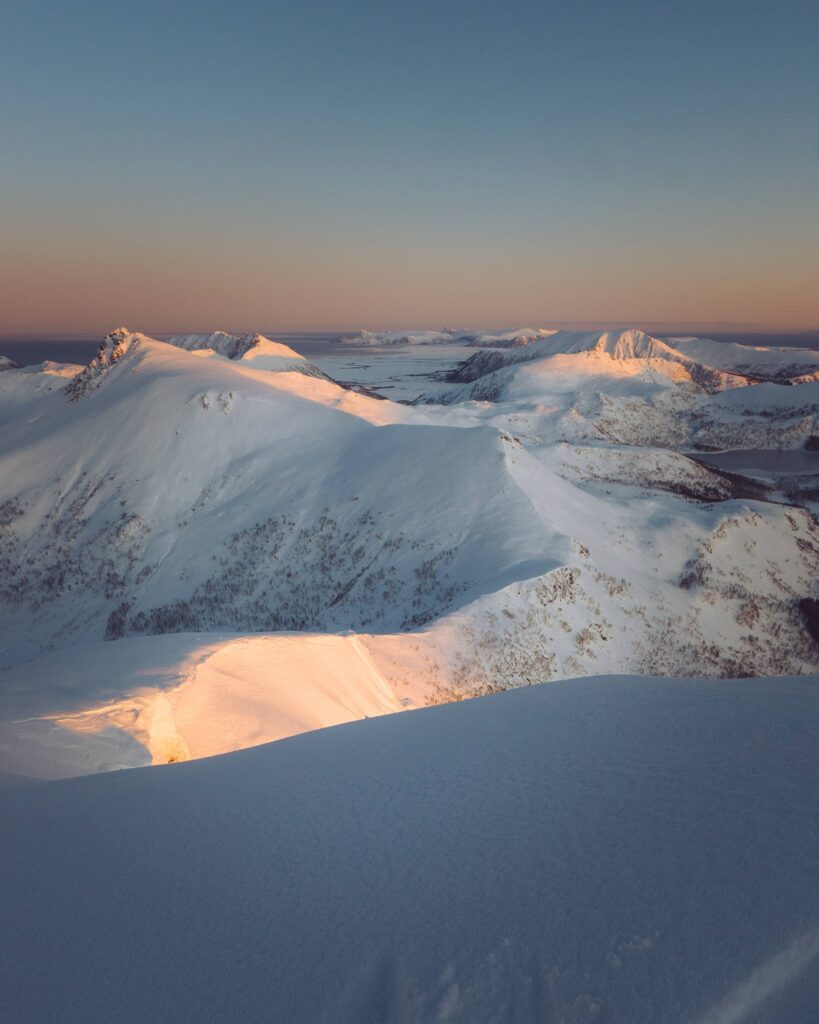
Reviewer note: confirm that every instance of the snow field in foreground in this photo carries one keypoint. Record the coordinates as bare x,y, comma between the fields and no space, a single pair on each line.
625,850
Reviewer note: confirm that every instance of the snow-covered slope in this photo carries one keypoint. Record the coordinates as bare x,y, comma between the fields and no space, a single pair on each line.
8,364
762,363
629,345
164,492
145,700
757,362
627,388
21,386
619,850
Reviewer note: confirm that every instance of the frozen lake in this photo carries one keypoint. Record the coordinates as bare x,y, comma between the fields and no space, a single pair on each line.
399,372
762,461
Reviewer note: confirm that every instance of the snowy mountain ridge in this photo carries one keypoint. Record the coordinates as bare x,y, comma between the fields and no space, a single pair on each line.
618,345
548,526
758,363
252,349
781,364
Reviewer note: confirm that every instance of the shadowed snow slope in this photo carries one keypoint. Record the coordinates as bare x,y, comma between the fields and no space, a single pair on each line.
619,850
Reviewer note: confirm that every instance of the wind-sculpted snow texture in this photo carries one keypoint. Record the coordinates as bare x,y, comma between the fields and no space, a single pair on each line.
633,851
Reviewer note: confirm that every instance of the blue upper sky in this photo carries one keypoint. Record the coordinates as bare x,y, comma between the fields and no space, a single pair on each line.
187,165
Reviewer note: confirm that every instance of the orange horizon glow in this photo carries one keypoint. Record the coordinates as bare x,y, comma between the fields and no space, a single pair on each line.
67,286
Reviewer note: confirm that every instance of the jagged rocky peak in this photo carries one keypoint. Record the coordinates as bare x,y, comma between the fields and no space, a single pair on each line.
112,348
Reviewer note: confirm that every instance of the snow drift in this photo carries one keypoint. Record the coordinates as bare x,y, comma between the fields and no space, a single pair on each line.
621,850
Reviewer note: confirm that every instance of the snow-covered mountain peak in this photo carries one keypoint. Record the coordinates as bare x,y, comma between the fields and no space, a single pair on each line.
252,348
8,364
608,355
761,363
631,343
231,346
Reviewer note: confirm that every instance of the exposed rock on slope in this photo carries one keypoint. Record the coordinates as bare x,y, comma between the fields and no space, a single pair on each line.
114,346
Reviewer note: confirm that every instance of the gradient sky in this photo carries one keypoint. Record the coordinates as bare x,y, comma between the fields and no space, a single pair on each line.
191,165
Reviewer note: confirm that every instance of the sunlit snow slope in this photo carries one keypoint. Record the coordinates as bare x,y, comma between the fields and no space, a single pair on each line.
159,699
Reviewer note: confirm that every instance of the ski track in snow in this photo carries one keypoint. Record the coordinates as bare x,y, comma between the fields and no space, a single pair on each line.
765,981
